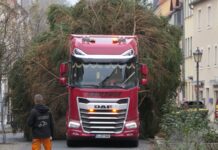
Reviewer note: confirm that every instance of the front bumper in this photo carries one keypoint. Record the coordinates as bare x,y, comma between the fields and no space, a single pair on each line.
77,134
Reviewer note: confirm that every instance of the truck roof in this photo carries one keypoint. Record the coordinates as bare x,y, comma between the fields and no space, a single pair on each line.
103,44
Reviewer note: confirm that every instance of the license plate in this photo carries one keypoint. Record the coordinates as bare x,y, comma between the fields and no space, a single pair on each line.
102,136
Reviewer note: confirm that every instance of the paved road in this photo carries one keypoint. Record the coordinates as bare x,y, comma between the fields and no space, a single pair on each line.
17,142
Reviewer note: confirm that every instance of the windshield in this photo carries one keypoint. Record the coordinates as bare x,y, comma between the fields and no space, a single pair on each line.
104,75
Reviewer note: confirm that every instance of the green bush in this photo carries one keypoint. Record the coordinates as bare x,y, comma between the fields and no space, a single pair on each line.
184,123
211,137
187,126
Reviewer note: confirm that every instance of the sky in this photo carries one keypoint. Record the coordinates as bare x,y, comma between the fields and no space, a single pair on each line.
72,2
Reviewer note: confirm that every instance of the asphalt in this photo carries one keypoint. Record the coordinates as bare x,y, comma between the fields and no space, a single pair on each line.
18,142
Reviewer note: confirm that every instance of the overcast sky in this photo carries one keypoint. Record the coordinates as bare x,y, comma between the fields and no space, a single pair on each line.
72,2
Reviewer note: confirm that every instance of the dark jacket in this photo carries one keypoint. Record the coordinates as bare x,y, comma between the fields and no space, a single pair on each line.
41,121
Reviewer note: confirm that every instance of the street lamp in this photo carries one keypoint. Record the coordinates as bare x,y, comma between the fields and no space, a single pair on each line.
197,57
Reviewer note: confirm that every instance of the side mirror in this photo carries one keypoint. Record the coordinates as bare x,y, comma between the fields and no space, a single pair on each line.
144,70
144,81
63,81
63,69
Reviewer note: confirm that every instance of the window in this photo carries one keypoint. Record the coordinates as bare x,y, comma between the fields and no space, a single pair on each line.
201,95
216,95
186,8
188,12
215,55
204,58
186,48
209,16
179,18
199,19
207,93
191,10
108,75
175,18
190,46
208,57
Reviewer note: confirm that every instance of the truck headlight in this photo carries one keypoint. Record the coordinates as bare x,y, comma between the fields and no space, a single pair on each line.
131,125
73,124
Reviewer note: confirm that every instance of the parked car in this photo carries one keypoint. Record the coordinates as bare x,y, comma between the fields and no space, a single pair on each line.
193,105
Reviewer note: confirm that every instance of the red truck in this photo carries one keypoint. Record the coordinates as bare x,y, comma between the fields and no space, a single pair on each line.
103,77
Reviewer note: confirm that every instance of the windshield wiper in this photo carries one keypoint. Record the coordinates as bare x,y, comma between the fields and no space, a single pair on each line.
128,78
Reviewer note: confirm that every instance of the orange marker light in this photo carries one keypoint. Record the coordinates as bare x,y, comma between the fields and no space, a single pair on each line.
91,110
114,110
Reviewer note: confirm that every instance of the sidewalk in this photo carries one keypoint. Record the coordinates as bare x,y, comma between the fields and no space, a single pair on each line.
14,142
15,146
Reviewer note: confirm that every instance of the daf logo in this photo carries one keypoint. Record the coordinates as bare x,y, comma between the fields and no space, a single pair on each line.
103,106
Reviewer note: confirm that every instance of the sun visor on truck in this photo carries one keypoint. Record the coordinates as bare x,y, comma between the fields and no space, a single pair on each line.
104,60
124,57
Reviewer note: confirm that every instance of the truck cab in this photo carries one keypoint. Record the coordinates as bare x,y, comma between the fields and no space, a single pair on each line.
103,77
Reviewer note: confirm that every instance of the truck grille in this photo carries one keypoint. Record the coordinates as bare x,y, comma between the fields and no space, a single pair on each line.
102,118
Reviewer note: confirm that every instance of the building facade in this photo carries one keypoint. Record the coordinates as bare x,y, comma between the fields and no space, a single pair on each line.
167,8
173,10
201,30
189,63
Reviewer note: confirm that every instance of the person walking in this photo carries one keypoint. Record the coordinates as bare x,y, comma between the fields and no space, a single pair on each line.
41,122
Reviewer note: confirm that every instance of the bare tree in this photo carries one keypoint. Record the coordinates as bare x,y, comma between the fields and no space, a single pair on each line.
19,22
12,25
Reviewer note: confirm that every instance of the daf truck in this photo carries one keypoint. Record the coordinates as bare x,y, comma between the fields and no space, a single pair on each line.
103,76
